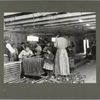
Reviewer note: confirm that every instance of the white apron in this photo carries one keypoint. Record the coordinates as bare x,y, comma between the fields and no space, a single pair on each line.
61,59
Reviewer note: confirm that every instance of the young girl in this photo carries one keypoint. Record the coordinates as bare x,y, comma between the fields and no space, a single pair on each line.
26,53
48,63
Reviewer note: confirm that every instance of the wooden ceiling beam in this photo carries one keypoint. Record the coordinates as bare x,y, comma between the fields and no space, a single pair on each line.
52,18
49,22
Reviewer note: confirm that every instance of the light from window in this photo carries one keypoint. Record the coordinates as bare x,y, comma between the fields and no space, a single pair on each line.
53,39
86,45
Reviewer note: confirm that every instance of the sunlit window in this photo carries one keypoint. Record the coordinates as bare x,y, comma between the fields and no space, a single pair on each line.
53,39
86,45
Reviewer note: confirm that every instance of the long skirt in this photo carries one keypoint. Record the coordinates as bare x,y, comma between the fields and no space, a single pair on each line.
62,62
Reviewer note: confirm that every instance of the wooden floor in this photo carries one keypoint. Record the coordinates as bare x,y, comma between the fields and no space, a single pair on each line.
89,69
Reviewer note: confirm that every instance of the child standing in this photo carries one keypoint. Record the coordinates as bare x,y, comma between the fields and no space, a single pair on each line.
48,63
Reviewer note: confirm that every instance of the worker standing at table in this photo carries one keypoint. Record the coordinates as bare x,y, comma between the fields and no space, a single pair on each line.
15,56
48,63
26,53
48,46
8,49
38,49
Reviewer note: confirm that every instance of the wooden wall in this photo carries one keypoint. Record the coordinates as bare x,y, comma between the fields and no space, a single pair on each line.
17,37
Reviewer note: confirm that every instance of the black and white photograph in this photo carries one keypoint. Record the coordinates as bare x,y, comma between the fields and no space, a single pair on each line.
50,47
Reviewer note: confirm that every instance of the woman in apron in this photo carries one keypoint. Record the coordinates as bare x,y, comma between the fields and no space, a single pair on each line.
61,59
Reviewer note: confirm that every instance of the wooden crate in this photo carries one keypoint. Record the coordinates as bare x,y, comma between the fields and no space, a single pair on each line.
12,71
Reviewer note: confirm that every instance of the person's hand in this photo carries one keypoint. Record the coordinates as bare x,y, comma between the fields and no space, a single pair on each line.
47,57
57,36
24,57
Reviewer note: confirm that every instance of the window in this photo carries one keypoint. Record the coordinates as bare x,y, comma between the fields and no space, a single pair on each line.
53,39
86,45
